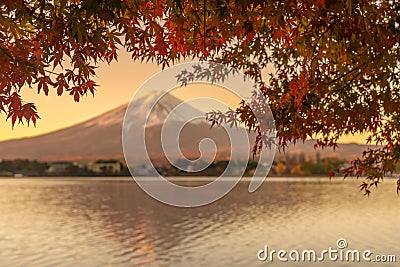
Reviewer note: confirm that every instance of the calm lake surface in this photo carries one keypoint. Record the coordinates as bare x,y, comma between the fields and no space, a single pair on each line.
111,222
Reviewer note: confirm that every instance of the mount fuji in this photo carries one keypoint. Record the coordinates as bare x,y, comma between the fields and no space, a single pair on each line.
101,137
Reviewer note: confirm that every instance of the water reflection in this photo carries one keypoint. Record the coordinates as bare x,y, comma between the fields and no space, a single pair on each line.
96,222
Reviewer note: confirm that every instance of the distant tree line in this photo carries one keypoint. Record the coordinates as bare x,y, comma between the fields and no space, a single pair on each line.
34,168
291,165
298,165
23,166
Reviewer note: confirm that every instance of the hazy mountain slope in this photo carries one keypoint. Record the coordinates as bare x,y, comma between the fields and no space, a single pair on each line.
100,137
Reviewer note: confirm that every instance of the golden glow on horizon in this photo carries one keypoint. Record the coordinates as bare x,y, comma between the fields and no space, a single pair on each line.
117,84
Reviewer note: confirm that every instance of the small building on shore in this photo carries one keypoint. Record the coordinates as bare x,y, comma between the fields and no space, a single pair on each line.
59,167
105,166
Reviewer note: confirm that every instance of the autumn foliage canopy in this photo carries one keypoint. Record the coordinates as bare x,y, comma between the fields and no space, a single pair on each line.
334,64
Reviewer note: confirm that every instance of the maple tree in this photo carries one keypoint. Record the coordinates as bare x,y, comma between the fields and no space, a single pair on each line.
335,63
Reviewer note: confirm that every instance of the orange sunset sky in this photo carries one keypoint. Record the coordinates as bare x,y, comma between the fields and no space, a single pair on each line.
117,84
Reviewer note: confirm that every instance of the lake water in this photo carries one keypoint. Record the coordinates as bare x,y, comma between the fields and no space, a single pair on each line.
111,222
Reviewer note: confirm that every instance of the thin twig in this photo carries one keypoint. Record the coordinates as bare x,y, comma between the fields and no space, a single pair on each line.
204,24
